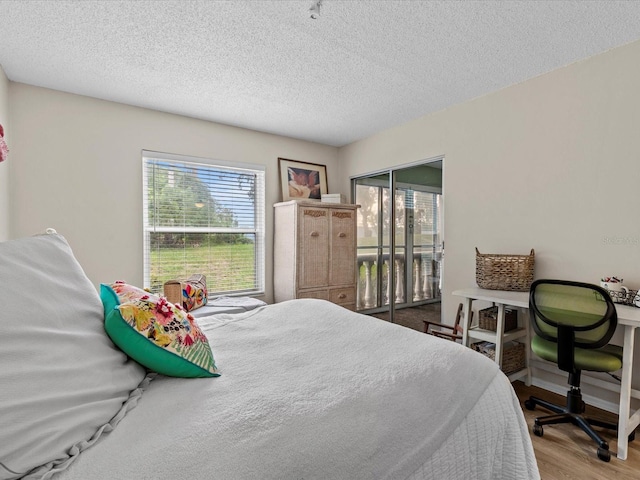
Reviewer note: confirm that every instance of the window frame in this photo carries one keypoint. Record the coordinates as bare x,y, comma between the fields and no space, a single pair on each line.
258,229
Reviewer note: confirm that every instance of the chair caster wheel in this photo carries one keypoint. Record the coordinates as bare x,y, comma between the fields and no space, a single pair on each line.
537,430
529,405
604,455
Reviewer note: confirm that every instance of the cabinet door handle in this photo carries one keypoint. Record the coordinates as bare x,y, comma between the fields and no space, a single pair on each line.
342,296
342,234
314,234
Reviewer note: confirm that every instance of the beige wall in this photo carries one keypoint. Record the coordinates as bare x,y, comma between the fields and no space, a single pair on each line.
552,164
4,166
77,168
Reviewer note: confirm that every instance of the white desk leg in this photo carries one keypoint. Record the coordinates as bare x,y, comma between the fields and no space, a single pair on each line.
500,334
527,348
466,323
625,392
527,326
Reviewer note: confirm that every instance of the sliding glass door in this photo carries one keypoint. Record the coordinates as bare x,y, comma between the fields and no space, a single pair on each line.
374,229
412,222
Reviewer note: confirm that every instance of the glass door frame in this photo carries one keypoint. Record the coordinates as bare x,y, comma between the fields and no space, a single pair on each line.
392,185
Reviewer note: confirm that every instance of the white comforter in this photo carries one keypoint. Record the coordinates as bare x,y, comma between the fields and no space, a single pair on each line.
312,391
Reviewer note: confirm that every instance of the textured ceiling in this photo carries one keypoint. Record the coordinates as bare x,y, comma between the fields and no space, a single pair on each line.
360,68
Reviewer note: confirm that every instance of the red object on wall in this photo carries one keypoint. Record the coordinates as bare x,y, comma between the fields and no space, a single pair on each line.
4,150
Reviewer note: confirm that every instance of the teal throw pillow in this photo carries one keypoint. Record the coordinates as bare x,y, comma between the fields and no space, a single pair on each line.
156,333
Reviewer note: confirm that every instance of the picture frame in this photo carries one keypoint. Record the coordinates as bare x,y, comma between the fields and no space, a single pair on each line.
302,180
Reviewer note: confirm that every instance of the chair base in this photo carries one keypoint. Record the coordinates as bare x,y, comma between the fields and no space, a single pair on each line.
572,413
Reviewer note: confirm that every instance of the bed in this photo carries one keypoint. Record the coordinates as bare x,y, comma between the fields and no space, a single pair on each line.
306,390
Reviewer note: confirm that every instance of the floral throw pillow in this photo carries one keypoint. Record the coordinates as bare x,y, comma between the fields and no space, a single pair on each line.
156,333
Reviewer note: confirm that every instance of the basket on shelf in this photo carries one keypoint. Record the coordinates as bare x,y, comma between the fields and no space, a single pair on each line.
488,319
504,271
512,355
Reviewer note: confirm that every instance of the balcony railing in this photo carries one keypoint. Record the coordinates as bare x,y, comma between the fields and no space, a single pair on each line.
374,273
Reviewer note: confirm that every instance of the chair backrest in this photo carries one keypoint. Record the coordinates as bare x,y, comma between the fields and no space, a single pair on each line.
573,313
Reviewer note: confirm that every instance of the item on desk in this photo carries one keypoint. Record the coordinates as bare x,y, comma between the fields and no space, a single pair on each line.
618,292
499,271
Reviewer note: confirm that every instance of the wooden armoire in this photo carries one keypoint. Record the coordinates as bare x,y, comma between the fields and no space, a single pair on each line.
315,252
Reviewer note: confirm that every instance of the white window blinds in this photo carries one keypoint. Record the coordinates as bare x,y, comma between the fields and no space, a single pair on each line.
203,216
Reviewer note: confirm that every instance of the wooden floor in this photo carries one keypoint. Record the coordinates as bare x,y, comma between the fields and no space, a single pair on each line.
566,452
413,317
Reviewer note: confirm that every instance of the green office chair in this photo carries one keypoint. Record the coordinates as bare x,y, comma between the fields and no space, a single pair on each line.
573,323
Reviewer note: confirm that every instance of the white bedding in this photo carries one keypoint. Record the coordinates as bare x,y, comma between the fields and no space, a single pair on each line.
310,390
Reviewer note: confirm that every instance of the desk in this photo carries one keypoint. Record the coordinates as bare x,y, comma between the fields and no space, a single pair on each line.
628,318
499,337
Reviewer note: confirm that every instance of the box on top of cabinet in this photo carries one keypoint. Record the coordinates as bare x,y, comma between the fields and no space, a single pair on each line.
333,198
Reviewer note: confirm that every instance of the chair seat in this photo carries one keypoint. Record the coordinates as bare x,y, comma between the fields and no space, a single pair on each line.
605,359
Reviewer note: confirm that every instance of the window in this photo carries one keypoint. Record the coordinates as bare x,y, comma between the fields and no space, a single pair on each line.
203,216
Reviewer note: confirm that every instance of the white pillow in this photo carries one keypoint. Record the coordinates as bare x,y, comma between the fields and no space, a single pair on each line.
62,381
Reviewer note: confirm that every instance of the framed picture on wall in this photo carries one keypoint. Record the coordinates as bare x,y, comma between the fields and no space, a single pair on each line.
302,180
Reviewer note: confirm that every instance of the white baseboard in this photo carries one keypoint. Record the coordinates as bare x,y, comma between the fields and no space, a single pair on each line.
561,387
588,399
